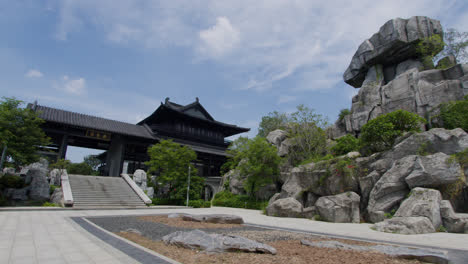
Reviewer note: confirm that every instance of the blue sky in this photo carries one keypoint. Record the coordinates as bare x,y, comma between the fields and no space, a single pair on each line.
243,59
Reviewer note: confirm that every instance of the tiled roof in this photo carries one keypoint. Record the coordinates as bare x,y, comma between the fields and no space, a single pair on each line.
91,122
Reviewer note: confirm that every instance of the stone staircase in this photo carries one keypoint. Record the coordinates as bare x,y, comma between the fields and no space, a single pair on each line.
103,192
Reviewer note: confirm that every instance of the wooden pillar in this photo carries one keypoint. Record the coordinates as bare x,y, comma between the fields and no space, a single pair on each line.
115,156
63,147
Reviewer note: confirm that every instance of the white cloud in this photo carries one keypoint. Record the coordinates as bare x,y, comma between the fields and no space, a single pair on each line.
71,86
260,42
219,39
34,74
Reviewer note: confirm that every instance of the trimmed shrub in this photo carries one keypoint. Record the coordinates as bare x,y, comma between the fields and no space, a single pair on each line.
165,201
345,145
380,133
199,203
11,181
455,114
227,199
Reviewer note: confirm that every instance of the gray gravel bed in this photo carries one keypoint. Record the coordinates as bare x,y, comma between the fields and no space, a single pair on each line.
155,231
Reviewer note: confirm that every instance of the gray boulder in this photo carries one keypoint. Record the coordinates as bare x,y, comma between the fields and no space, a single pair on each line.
286,207
422,202
55,176
285,146
139,177
341,208
39,184
200,240
395,42
276,137
406,225
309,212
453,222
390,189
17,194
236,182
57,197
9,170
433,171
214,218
150,192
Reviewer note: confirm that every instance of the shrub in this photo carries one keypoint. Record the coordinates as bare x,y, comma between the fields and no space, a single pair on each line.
47,204
380,133
199,203
166,201
11,181
343,113
80,168
52,188
345,144
455,114
227,199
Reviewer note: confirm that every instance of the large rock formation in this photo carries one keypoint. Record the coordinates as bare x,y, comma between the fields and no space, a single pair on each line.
39,185
390,75
341,208
287,207
422,202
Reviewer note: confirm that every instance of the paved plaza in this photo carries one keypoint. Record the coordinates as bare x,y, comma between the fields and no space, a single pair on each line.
56,236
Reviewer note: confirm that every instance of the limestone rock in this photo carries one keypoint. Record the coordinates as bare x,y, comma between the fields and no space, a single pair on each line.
406,225
17,194
422,202
39,184
433,171
309,212
150,192
286,207
236,182
140,178
214,218
55,176
341,208
200,240
57,197
391,188
283,149
8,170
453,222
393,43
275,197
276,137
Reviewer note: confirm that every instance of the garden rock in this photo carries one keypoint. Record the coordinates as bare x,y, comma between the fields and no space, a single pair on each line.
453,222
10,171
57,197
286,207
341,208
39,184
236,182
200,240
214,218
433,171
283,149
17,194
276,137
309,212
139,177
150,192
422,202
55,176
406,225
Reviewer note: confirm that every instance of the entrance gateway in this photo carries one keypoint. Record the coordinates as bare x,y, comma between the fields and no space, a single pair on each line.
126,144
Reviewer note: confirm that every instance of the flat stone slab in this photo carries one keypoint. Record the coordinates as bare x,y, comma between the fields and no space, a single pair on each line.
216,243
424,255
214,218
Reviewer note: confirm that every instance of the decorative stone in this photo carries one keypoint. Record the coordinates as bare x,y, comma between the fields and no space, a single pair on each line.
200,240
214,218
39,184
57,197
139,177
150,192
433,171
8,170
17,194
309,212
55,176
287,207
406,225
422,202
341,208
276,137
453,222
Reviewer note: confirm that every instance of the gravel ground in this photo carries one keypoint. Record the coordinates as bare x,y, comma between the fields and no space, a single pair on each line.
154,230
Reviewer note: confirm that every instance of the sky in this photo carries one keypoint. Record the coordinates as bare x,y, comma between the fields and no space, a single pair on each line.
243,59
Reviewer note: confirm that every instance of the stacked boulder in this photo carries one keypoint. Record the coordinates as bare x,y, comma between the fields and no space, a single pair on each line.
140,178
389,71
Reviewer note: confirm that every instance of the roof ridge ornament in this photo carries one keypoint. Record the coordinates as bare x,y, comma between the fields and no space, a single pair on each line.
197,100
166,101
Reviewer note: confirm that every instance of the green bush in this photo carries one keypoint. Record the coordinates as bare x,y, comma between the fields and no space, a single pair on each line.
455,114
227,199
343,113
47,204
199,203
11,181
345,144
165,201
380,133
80,168
52,188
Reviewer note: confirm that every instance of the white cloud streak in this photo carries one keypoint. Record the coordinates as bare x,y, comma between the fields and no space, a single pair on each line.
34,74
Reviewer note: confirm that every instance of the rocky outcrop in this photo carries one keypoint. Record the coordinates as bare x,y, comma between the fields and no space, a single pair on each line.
214,218
55,176
17,194
454,223
406,225
422,202
287,207
394,43
390,75
141,179
341,208
39,185
217,243
276,137
434,171
57,197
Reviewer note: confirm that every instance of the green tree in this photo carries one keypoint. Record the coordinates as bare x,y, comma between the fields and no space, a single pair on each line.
456,44
455,114
92,161
61,165
170,162
380,133
428,48
345,144
272,121
307,133
260,164
20,132
81,168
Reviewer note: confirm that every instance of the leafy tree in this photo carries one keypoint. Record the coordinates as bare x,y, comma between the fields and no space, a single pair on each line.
345,144
20,132
92,161
455,114
428,48
260,164
170,162
456,44
307,133
380,133
81,168
61,164
272,121
235,150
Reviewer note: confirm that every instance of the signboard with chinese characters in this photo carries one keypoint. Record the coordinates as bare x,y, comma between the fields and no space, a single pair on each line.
98,134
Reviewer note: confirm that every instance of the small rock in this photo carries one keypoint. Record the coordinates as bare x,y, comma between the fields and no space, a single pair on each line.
287,207
453,222
214,218
406,225
57,197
